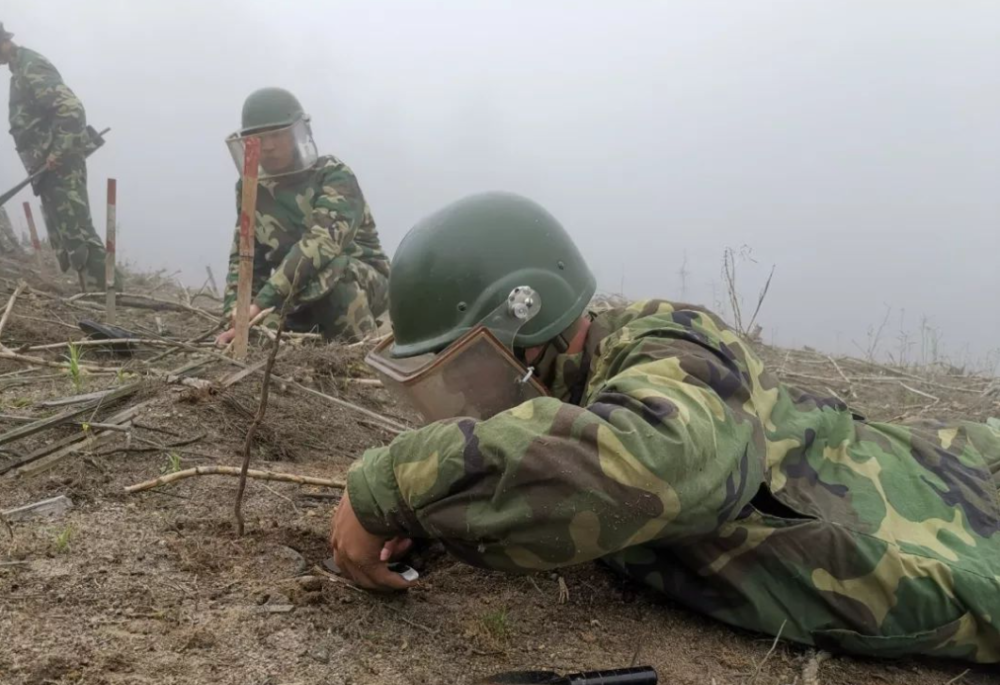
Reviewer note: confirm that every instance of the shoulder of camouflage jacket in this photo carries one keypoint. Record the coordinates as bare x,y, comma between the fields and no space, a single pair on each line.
27,59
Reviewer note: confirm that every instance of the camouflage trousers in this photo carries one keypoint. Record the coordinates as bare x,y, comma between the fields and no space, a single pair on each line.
348,312
66,209
826,580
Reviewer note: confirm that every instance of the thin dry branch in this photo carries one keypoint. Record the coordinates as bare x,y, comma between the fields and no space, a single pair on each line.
917,379
850,386
959,677
235,472
106,341
760,299
186,345
920,392
47,457
368,341
257,420
6,353
388,424
10,307
774,646
141,301
69,414
262,406
31,419
54,322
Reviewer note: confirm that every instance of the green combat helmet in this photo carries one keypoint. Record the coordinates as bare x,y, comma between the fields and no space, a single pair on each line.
270,108
458,265
276,118
472,287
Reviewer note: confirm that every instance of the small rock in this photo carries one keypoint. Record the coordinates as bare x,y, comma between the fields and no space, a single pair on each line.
311,583
297,563
320,655
276,598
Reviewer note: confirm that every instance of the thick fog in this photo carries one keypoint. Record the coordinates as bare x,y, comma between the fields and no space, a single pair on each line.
853,144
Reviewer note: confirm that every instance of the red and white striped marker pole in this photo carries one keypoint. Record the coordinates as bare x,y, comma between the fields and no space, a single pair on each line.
35,243
109,241
248,222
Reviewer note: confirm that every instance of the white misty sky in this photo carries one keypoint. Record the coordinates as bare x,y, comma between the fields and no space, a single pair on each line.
854,144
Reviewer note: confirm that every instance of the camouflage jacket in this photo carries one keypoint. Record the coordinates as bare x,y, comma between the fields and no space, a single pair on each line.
305,221
669,452
45,116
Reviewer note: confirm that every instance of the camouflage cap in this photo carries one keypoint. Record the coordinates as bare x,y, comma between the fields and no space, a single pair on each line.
4,34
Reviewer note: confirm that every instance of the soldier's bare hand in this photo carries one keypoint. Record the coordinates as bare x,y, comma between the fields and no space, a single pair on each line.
395,549
225,337
52,163
358,553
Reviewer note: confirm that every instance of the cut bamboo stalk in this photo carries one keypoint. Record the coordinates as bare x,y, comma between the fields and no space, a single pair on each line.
248,222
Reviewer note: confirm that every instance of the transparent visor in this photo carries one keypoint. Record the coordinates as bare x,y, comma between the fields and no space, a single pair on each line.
477,375
283,151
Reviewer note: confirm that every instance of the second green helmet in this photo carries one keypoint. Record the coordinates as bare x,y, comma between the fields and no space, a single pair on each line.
458,265
270,108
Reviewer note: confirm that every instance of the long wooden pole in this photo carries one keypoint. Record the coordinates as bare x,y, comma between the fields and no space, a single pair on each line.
248,222
110,238
35,243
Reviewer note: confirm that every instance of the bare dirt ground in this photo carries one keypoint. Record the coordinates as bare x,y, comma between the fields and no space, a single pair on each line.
155,587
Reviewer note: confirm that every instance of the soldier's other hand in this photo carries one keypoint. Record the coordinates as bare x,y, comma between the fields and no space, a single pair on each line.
358,553
225,337
52,163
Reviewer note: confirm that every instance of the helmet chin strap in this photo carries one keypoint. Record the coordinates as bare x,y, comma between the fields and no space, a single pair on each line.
544,365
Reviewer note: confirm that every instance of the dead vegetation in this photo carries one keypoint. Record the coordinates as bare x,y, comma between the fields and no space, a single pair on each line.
153,585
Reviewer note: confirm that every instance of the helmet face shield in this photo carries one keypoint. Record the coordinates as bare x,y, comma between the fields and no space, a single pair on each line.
477,375
285,150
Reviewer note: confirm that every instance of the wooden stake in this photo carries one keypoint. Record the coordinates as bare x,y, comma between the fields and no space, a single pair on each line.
109,262
35,243
248,222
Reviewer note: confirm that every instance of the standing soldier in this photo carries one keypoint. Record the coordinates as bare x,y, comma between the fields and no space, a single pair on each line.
9,245
50,130
312,225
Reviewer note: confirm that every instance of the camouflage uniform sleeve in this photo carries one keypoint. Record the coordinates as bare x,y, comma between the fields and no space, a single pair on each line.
669,447
337,213
69,120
